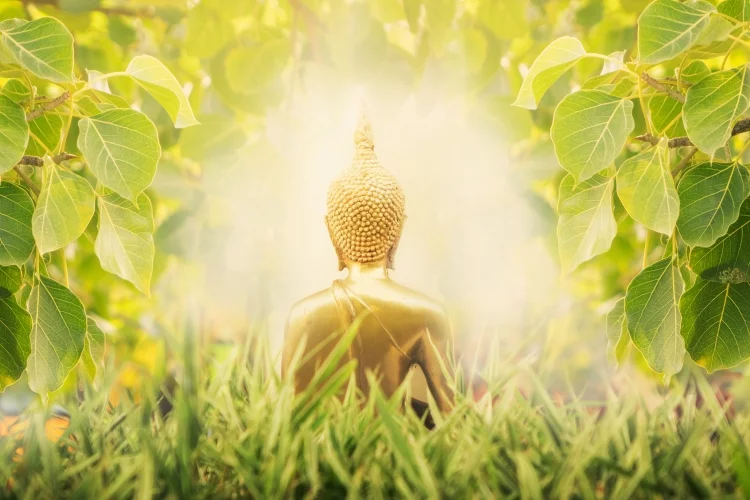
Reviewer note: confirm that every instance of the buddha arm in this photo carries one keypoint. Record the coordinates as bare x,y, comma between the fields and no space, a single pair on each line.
434,355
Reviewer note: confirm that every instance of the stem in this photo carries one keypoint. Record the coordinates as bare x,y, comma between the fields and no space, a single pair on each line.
685,160
26,180
36,113
643,108
653,82
64,266
616,61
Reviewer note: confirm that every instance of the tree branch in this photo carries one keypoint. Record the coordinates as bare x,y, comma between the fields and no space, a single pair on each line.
653,82
36,113
26,180
740,127
38,161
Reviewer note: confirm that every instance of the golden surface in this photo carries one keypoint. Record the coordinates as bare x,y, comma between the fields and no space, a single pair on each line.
401,327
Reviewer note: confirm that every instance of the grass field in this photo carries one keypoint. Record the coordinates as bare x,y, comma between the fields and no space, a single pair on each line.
235,430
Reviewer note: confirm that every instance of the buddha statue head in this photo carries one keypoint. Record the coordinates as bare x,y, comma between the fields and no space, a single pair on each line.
365,207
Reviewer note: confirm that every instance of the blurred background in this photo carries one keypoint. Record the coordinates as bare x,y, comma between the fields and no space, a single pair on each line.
277,86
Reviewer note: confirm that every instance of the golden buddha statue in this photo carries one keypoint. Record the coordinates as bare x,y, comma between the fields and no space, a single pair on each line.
401,327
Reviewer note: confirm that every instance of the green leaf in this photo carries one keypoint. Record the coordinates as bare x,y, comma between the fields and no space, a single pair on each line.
14,133
57,335
15,329
16,238
506,19
78,6
93,348
618,337
158,81
45,133
122,148
694,72
411,10
711,195
64,209
267,60
44,47
16,90
217,136
664,116
653,315
589,130
727,260
586,226
713,104
646,189
619,83
738,9
557,58
666,28
125,243
716,323
10,280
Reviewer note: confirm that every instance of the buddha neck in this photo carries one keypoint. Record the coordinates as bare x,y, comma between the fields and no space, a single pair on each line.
359,271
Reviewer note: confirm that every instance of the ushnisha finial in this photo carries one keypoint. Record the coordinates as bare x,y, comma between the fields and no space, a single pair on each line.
363,137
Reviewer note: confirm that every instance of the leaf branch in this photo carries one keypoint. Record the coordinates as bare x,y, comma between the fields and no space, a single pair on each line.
38,161
671,92
26,180
37,112
740,127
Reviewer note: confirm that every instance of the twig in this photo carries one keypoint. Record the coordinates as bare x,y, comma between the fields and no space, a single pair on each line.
653,82
685,160
38,161
36,113
740,127
26,179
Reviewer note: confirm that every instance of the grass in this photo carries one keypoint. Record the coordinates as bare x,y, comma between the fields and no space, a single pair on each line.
236,430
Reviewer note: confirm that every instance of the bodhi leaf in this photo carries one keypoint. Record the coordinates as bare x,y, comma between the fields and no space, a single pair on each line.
666,28
727,260
694,72
618,337
16,238
555,59
713,104
617,83
44,47
10,280
646,189
665,116
716,323
125,243
738,9
16,90
45,133
64,209
589,130
122,148
158,81
653,315
14,133
711,195
93,348
15,329
586,226
57,335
